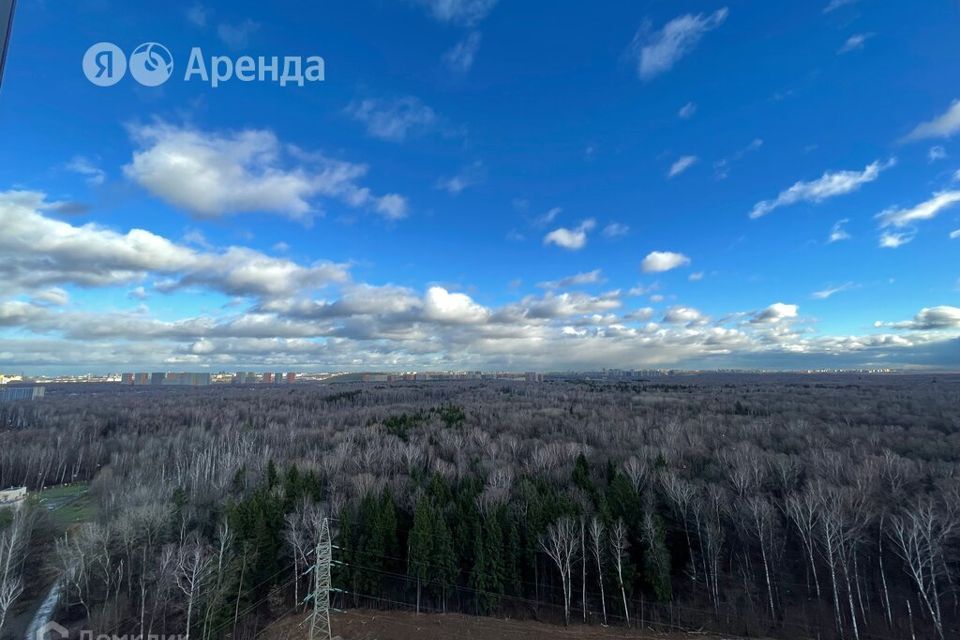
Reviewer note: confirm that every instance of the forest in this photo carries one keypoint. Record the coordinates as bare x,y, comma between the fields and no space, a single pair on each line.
781,506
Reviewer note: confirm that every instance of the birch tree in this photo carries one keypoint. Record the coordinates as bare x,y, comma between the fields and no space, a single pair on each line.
596,546
618,546
920,535
560,543
194,564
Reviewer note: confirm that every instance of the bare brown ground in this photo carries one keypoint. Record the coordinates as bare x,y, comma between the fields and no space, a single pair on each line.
403,625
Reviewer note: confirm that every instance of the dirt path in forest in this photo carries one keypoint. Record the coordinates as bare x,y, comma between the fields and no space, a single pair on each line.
402,625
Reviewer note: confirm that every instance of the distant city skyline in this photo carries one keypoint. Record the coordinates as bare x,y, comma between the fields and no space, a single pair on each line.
492,186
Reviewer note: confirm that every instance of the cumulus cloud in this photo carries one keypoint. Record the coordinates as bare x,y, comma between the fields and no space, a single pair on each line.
656,52
659,261
940,317
571,239
295,315
461,56
393,120
442,306
955,234
554,305
680,315
37,251
943,126
216,174
681,164
776,312
54,295
829,185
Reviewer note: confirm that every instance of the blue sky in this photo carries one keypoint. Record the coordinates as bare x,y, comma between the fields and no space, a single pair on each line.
483,184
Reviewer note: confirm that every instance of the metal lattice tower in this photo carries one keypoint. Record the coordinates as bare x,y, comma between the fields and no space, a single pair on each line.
321,584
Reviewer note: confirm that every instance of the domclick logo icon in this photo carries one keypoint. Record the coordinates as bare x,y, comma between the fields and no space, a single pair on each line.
151,64
104,64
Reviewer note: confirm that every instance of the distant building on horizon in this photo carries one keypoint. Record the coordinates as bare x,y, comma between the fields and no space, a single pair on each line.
10,394
159,378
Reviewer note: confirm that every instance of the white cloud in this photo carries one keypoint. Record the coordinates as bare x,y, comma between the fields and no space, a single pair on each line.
656,52
854,42
695,277
237,36
392,206
572,239
461,56
839,232
216,174
924,211
642,290
892,240
955,234
54,295
659,261
615,230
442,306
680,315
37,252
823,294
681,164
936,152
829,185
777,312
464,12
930,318
943,126
393,120
548,217
587,277
686,111
86,167
469,176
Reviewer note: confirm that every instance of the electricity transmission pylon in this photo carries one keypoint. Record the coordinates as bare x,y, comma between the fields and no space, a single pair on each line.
321,584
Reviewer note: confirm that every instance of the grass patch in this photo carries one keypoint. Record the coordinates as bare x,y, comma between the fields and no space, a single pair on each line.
64,491
69,504
83,509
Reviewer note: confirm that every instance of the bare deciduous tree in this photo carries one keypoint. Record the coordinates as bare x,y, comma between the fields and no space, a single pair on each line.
920,534
596,546
194,564
560,543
